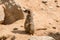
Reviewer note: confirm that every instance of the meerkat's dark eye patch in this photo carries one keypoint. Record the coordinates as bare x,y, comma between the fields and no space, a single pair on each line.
27,11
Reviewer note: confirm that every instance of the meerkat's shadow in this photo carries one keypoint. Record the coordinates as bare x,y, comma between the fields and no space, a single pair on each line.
19,31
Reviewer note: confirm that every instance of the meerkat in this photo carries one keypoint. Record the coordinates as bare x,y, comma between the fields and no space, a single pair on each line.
29,25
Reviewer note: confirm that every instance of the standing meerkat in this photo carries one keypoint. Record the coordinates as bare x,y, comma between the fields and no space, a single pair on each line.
29,25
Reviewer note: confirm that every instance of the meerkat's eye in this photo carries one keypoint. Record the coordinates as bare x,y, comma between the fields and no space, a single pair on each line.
27,11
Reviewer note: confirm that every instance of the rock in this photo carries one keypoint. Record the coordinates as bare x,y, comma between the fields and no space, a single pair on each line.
12,11
41,38
2,15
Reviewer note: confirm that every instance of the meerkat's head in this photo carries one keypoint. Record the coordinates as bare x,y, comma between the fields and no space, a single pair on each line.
27,11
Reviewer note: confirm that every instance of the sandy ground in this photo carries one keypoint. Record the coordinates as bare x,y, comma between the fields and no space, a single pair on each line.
46,19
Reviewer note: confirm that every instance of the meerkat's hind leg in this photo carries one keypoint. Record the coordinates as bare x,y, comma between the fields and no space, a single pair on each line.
31,30
27,29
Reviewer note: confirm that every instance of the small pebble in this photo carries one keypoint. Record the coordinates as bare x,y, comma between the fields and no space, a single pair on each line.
49,23
44,1
57,21
15,29
50,7
57,6
54,27
55,0
21,26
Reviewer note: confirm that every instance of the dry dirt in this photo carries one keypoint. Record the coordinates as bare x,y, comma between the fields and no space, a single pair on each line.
46,19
